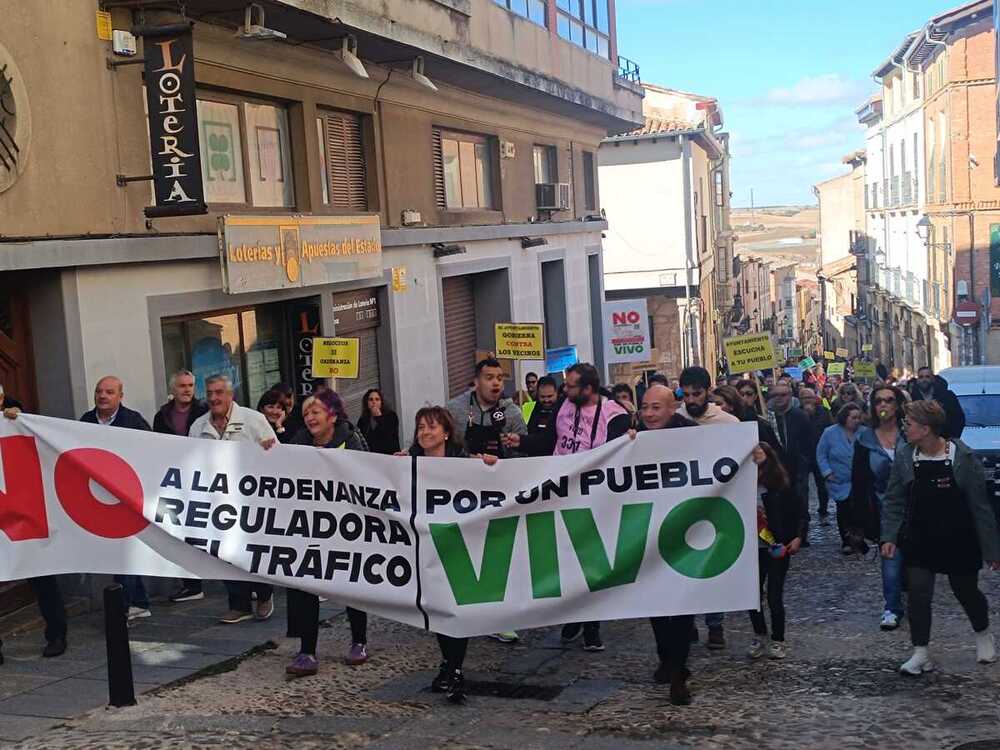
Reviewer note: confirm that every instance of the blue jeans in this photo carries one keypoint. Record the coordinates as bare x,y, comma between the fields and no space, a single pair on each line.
134,590
892,583
714,619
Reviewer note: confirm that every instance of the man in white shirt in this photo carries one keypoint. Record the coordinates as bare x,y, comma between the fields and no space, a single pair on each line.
227,420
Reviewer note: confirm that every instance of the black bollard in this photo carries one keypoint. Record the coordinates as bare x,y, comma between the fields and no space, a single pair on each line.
121,690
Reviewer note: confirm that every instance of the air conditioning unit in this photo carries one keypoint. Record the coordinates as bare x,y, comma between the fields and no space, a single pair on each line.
552,196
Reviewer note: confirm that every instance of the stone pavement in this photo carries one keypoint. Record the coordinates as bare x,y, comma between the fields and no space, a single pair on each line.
839,688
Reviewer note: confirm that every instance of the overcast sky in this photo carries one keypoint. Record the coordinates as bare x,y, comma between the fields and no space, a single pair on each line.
788,75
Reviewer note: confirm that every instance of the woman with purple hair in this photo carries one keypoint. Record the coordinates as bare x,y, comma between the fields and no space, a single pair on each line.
326,426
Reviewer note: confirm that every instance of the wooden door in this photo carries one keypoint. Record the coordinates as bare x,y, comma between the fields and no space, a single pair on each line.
17,375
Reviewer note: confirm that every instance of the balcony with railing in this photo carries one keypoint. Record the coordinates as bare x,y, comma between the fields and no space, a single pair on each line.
894,194
627,70
907,196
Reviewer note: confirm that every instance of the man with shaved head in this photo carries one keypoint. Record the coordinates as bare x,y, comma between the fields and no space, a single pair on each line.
108,410
673,634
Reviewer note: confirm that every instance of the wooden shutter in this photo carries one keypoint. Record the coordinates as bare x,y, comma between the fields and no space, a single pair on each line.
459,332
438,156
346,162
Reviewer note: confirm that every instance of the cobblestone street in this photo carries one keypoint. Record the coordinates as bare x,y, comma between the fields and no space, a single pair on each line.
838,688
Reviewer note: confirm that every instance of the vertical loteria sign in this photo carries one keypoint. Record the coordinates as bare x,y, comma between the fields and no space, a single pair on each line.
626,331
173,121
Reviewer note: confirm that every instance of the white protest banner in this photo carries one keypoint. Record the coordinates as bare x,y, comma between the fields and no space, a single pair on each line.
662,525
626,331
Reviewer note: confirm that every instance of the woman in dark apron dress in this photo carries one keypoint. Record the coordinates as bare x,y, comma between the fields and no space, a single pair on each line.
937,512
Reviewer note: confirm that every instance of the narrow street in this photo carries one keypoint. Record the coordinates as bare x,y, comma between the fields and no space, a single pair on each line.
838,688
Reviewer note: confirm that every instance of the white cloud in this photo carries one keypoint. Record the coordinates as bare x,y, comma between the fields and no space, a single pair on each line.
827,89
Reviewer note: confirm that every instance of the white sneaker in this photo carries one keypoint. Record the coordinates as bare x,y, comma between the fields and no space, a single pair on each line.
919,663
134,613
986,651
889,621
777,650
757,646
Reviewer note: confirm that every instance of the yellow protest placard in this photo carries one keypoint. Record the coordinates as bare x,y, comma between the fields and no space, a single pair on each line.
841,351
866,347
335,358
751,352
835,368
864,370
828,355
520,341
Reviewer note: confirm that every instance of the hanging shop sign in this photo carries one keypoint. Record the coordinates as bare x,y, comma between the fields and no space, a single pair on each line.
259,253
168,52
304,322
520,340
626,331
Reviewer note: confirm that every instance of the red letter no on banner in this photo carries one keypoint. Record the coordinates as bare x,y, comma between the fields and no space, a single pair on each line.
74,471
22,504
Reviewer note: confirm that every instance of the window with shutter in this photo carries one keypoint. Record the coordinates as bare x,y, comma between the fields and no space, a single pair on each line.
345,156
438,155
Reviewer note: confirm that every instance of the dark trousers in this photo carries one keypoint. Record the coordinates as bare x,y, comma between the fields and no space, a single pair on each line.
50,604
801,486
843,519
453,651
824,496
134,591
194,584
673,639
921,591
239,594
359,625
302,609
773,572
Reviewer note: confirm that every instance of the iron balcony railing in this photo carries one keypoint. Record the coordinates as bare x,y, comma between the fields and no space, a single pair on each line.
627,70
907,189
894,199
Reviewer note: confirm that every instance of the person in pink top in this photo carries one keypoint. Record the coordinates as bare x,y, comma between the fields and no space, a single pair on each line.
584,419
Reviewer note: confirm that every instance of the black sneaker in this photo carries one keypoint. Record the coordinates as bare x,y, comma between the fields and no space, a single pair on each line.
455,689
439,683
571,632
185,594
56,647
680,695
592,640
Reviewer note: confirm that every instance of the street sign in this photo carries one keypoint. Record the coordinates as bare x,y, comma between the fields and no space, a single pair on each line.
751,352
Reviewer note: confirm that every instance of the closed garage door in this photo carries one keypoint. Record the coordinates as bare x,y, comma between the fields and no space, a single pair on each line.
357,316
459,332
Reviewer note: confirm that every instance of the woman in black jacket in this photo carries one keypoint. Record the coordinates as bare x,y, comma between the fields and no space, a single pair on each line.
434,437
326,426
271,406
781,528
379,424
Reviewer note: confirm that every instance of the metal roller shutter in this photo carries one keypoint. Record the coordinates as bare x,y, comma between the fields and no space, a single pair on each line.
459,332
351,391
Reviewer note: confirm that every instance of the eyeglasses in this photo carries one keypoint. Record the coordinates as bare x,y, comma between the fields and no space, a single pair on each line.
890,400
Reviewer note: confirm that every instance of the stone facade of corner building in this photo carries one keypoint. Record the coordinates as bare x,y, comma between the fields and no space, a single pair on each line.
963,197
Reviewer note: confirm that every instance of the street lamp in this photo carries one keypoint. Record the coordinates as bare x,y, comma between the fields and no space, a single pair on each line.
924,228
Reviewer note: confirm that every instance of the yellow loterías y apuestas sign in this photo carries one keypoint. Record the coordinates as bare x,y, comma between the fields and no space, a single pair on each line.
520,340
335,358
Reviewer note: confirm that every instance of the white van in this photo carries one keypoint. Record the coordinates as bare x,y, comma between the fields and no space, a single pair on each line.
978,391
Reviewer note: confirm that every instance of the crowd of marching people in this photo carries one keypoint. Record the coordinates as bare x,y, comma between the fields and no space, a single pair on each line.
886,460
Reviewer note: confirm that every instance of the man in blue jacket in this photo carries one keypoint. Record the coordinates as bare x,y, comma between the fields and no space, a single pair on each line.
108,410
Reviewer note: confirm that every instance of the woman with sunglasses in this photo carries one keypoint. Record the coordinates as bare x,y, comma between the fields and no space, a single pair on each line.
835,456
874,452
938,513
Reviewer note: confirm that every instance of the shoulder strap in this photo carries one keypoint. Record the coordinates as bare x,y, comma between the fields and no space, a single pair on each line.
597,416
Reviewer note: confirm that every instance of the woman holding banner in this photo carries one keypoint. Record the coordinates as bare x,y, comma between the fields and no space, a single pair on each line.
434,437
326,427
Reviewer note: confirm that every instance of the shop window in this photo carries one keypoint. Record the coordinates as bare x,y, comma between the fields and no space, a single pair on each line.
245,345
585,23
245,153
463,170
533,10
342,156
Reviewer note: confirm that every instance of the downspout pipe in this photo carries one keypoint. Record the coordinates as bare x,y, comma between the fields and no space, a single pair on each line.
685,144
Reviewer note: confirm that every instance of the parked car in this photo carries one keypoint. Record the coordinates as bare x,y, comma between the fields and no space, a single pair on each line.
978,391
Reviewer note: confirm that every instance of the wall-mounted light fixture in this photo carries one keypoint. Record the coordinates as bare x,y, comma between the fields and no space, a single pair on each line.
442,249
257,32
527,242
348,54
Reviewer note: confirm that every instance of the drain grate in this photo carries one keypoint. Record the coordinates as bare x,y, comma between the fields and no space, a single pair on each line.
514,691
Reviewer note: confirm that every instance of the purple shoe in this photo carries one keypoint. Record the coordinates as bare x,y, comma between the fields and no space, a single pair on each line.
356,654
303,665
